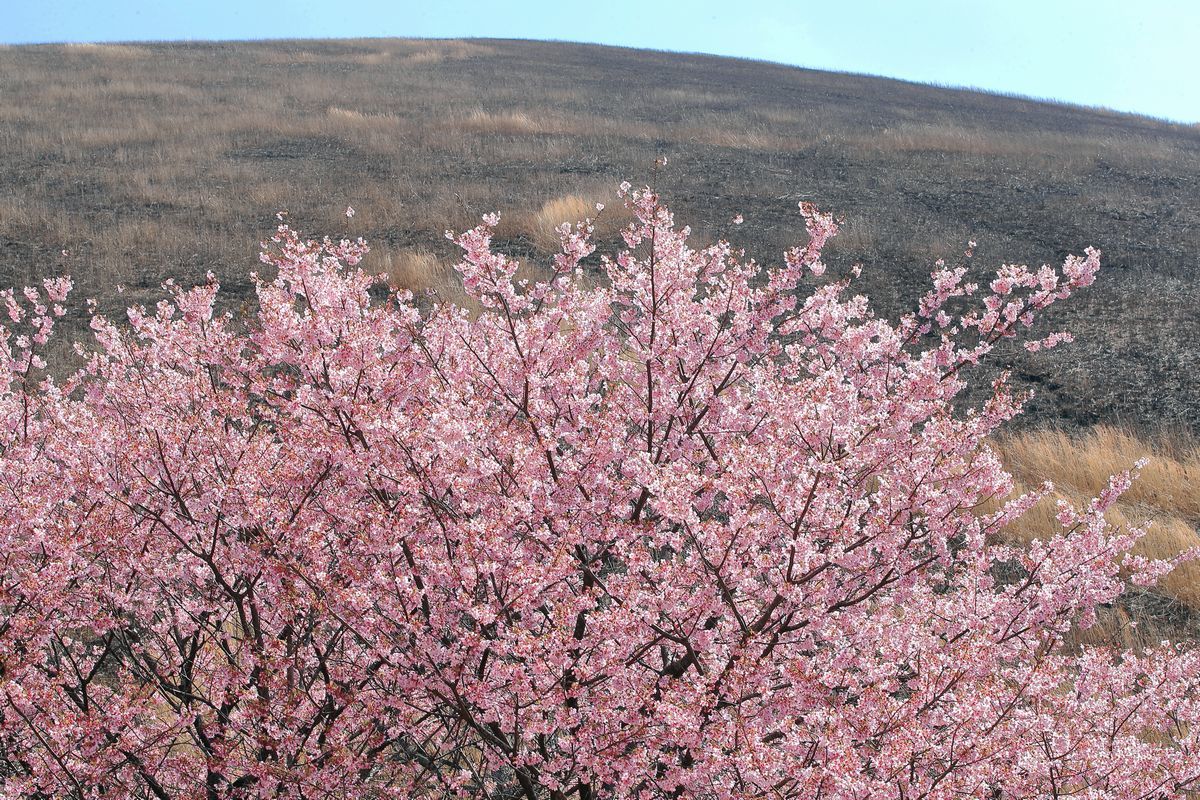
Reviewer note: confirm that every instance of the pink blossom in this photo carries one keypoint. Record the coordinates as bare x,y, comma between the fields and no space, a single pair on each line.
688,531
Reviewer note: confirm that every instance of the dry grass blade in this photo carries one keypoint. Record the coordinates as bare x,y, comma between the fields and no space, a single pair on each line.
1165,499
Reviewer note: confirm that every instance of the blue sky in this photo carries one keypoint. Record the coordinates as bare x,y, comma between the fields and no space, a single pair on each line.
1142,57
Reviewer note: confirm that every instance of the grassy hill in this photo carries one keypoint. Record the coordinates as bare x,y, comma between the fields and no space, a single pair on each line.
167,160
149,161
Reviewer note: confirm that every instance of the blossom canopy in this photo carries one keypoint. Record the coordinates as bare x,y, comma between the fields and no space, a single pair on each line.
699,529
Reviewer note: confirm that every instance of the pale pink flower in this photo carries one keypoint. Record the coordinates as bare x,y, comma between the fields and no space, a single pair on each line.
689,530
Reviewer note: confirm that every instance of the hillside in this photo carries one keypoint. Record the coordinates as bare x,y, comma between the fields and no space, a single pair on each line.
168,160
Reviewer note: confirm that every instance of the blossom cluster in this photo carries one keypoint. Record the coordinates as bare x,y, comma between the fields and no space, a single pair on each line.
697,529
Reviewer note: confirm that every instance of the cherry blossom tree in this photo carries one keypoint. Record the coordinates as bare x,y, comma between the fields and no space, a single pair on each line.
706,530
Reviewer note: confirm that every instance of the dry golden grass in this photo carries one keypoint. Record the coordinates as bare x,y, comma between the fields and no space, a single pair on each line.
1165,499
415,270
553,213
1170,482
422,273
351,117
539,225
506,123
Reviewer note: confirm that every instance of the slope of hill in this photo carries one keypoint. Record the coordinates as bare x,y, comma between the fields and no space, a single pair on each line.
167,160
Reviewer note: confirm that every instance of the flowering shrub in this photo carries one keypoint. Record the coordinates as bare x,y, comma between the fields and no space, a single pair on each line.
695,533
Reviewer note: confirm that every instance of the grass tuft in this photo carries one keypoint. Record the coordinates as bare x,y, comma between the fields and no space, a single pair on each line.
1165,499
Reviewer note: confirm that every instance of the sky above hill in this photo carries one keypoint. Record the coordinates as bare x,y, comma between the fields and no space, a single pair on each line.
1142,57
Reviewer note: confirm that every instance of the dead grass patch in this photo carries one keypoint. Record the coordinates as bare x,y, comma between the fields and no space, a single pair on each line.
508,123
103,49
415,270
446,51
429,51
420,272
1165,498
569,209
352,117
1082,464
539,225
